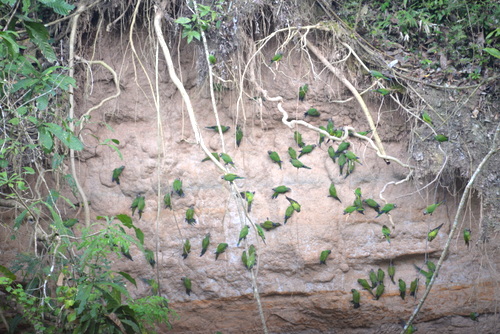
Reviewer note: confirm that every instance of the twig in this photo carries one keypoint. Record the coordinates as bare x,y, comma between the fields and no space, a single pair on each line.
461,207
115,79
71,112
211,82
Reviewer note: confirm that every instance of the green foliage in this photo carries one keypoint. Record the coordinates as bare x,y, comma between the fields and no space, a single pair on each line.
92,290
199,21
452,27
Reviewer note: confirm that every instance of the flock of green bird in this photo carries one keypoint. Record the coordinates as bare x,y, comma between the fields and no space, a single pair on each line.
341,156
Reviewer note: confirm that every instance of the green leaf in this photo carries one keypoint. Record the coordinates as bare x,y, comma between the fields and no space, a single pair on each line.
9,2
65,137
24,84
492,51
183,20
39,35
71,317
26,5
82,296
126,220
14,121
12,46
116,141
128,277
58,6
7,273
42,102
29,170
45,138
140,235
4,163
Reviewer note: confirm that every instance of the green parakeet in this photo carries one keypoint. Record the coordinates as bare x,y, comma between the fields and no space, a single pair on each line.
297,164
323,256
386,209
380,291
177,186
190,216
221,248
373,278
243,234
391,271
382,91
135,204
116,174
427,118
306,150
269,225
275,157
276,57
303,91
186,249
402,289
70,222
227,159
372,204
378,75
216,128
167,201
414,288
211,59
473,316
288,213
293,203
341,161
342,148
321,136
260,232
380,276
187,284
357,193
231,177
279,190
351,156
430,209
364,283
248,196
292,153
141,206
433,233
297,137
150,257
252,254
313,112
333,192
239,135
215,155
441,138
431,265
331,153
355,298
387,233
350,209
204,244
244,258
428,275
467,237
